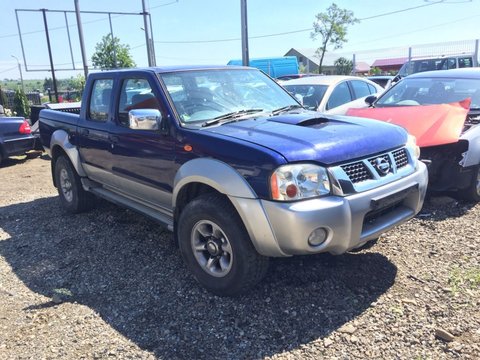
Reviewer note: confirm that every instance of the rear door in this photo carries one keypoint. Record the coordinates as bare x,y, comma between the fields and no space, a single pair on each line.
142,160
93,132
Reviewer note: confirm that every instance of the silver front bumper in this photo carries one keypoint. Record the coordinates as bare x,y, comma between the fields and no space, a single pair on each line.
350,221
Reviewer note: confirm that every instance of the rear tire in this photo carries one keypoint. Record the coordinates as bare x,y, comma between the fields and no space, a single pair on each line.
472,193
72,195
216,247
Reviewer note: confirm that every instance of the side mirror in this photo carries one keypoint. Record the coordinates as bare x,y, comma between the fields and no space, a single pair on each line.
144,119
370,99
299,98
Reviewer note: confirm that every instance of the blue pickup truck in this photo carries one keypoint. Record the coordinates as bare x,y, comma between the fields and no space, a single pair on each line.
234,166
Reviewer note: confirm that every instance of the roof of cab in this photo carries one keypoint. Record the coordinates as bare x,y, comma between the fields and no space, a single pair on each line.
462,73
168,69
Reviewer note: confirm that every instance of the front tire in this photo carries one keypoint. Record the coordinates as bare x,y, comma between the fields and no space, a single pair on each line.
472,193
72,195
216,247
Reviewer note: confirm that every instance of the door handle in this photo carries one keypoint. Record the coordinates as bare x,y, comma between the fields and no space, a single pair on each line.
84,132
113,139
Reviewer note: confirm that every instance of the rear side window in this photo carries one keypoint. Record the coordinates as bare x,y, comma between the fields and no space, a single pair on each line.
373,89
360,88
100,99
340,95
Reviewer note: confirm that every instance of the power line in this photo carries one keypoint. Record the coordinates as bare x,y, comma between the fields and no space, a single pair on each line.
3,71
418,30
402,10
294,31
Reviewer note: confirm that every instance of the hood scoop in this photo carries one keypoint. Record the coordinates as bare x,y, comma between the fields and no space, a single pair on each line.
300,120
313,122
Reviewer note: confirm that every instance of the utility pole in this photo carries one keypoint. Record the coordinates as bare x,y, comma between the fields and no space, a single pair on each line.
20,69
151,59
245,55
80,36
52,68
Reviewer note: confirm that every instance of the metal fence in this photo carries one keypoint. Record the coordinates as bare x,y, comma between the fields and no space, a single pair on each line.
402,54
33,98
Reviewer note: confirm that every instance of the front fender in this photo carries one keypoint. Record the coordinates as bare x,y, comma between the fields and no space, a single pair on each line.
220,176
472,156
226,180
60,138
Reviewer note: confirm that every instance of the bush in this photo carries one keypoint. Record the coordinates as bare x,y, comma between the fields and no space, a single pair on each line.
3,99
20,104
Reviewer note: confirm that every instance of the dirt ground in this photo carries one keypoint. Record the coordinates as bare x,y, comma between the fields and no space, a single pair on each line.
111,284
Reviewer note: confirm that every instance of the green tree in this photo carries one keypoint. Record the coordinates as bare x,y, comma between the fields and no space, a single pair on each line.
331,28
20,104
110,54
302,69
48,84
343,66
77,83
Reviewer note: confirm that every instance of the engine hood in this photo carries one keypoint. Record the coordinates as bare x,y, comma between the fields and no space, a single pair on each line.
432,125
327,139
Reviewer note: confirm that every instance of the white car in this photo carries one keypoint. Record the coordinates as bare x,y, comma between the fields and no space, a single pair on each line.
333,94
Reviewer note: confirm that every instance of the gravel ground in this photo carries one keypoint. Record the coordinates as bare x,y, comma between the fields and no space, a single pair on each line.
110,284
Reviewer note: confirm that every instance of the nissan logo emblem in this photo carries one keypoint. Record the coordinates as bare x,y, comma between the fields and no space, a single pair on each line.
382,165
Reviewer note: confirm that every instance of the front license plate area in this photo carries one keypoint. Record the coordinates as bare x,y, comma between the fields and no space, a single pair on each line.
390,200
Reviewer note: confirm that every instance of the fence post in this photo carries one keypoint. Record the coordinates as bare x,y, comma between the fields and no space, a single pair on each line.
476,53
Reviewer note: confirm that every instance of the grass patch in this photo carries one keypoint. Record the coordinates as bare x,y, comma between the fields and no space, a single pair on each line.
464,279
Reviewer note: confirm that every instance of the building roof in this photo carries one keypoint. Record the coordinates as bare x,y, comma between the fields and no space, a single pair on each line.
389,62
311,54
328,60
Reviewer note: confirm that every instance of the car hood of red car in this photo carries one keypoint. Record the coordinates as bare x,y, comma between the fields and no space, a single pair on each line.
430,124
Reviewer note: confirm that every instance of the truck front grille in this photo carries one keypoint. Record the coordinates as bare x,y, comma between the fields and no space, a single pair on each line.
377,166
357,172
401,158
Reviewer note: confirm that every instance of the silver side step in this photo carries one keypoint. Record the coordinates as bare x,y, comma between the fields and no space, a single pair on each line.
133,205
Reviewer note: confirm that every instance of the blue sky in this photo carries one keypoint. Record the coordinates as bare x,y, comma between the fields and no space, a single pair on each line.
206,21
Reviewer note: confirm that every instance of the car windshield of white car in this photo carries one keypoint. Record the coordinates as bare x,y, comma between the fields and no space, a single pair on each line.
310,95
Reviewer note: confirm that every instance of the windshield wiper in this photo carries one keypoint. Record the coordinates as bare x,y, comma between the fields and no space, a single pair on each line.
286,108
232,116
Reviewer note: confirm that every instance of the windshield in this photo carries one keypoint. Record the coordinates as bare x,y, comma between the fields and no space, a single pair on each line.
424,91
201,95
310,95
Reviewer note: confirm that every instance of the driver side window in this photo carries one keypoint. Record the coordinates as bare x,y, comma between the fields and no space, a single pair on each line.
340,95
135,93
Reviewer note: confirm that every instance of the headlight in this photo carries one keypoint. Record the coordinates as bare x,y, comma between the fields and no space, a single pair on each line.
299,181
412,144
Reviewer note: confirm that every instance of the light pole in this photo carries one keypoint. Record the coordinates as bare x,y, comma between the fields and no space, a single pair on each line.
20,69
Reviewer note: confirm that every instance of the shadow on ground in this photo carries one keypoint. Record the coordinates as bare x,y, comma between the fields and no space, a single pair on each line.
127,269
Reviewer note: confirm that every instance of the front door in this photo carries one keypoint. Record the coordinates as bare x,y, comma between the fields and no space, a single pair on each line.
142,160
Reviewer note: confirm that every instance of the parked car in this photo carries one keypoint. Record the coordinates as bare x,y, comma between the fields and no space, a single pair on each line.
437,63
449,137
295,76
231,163
384,81
15,136
333,94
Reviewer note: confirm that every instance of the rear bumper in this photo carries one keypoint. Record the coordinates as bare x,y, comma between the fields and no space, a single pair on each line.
18,146
349,221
